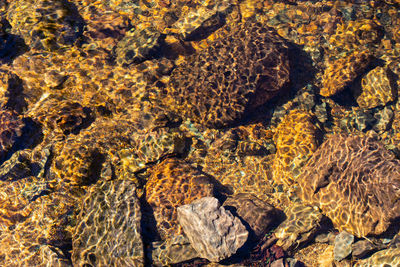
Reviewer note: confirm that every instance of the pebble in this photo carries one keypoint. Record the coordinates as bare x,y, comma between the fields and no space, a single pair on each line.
343,248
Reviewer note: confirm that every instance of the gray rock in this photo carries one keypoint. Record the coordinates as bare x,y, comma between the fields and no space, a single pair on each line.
343,248
383,118
213,232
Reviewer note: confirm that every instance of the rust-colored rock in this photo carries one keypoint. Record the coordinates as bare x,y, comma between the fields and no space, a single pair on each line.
355,181
376,89
296,140
342,72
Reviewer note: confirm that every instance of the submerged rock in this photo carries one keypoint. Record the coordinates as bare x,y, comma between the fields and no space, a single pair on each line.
233,75
108,232
355,181
343,248
214,232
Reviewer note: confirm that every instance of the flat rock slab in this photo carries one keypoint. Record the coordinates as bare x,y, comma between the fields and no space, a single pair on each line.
213,231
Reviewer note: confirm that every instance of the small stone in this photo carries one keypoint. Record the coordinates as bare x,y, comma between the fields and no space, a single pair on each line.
139,45
200,23
376,89
258,214
343,248
53,79
214,232
342,72
299,227
383,117
363,247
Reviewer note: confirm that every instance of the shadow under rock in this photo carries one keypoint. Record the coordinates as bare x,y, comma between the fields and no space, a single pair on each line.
302,72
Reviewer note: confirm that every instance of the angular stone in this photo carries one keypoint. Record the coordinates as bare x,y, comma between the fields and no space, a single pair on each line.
139,45
364,247
214,232
343,248
376,89
342,72
199,23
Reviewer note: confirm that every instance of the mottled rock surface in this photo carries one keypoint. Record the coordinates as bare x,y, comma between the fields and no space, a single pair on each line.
342,72
45,24
140,44
296,139
355,181
298,227
387,257
108,232
214,232
10,129
376,89
245,69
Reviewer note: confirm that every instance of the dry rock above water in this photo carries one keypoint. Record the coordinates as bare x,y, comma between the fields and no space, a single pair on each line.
214,232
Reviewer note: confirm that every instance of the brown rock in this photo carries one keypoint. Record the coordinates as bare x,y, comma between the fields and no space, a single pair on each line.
236,73
342,72
258,214
214,232
355,181
376,89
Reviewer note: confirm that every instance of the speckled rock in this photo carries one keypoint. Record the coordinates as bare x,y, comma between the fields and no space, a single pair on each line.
214,232
296,139
260,215
341,177
376,89
384,119
298,227
343,245
45,24
341,72
140,44
108,231
252,67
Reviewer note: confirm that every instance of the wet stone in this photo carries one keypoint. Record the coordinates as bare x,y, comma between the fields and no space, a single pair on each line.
138,45
376,89
108,230
343,245
260,215
216,86
214,232
199,23
299,226
362,248
45,24
341,177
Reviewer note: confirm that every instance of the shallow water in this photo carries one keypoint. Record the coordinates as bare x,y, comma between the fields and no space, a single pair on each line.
115,113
